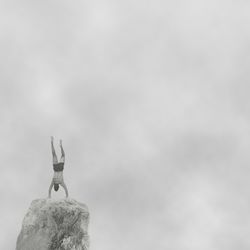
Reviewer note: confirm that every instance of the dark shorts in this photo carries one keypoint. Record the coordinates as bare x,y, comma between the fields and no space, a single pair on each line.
58,167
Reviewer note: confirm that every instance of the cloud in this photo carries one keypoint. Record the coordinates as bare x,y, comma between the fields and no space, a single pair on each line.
150,99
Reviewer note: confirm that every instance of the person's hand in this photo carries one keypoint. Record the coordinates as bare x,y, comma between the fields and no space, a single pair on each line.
52,138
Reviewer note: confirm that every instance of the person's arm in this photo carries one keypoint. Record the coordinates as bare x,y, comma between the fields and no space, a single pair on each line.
50,188
65,188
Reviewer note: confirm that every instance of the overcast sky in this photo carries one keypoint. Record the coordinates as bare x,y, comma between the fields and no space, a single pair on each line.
151,99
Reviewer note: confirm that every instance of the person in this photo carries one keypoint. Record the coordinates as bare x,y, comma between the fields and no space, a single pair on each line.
58,170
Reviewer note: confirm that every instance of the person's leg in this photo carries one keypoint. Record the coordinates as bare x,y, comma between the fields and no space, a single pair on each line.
50,188
53,151
62,152
65,188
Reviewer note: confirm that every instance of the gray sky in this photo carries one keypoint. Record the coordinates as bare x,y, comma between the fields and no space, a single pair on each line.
151,99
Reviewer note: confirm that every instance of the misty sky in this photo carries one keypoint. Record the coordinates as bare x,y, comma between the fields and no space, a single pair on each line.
151,99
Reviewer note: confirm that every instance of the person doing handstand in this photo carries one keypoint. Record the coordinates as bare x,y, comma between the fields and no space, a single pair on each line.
58,170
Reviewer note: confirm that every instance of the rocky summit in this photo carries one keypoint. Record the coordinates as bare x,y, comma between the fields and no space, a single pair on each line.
55,225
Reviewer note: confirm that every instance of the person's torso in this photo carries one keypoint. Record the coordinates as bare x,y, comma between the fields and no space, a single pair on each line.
58,177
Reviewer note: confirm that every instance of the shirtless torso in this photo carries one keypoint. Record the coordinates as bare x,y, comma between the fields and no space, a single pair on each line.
58,177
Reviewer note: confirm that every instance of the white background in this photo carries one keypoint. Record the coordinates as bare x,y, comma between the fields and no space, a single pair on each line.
151,99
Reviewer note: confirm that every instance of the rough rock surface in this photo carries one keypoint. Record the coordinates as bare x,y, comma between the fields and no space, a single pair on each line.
54,225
